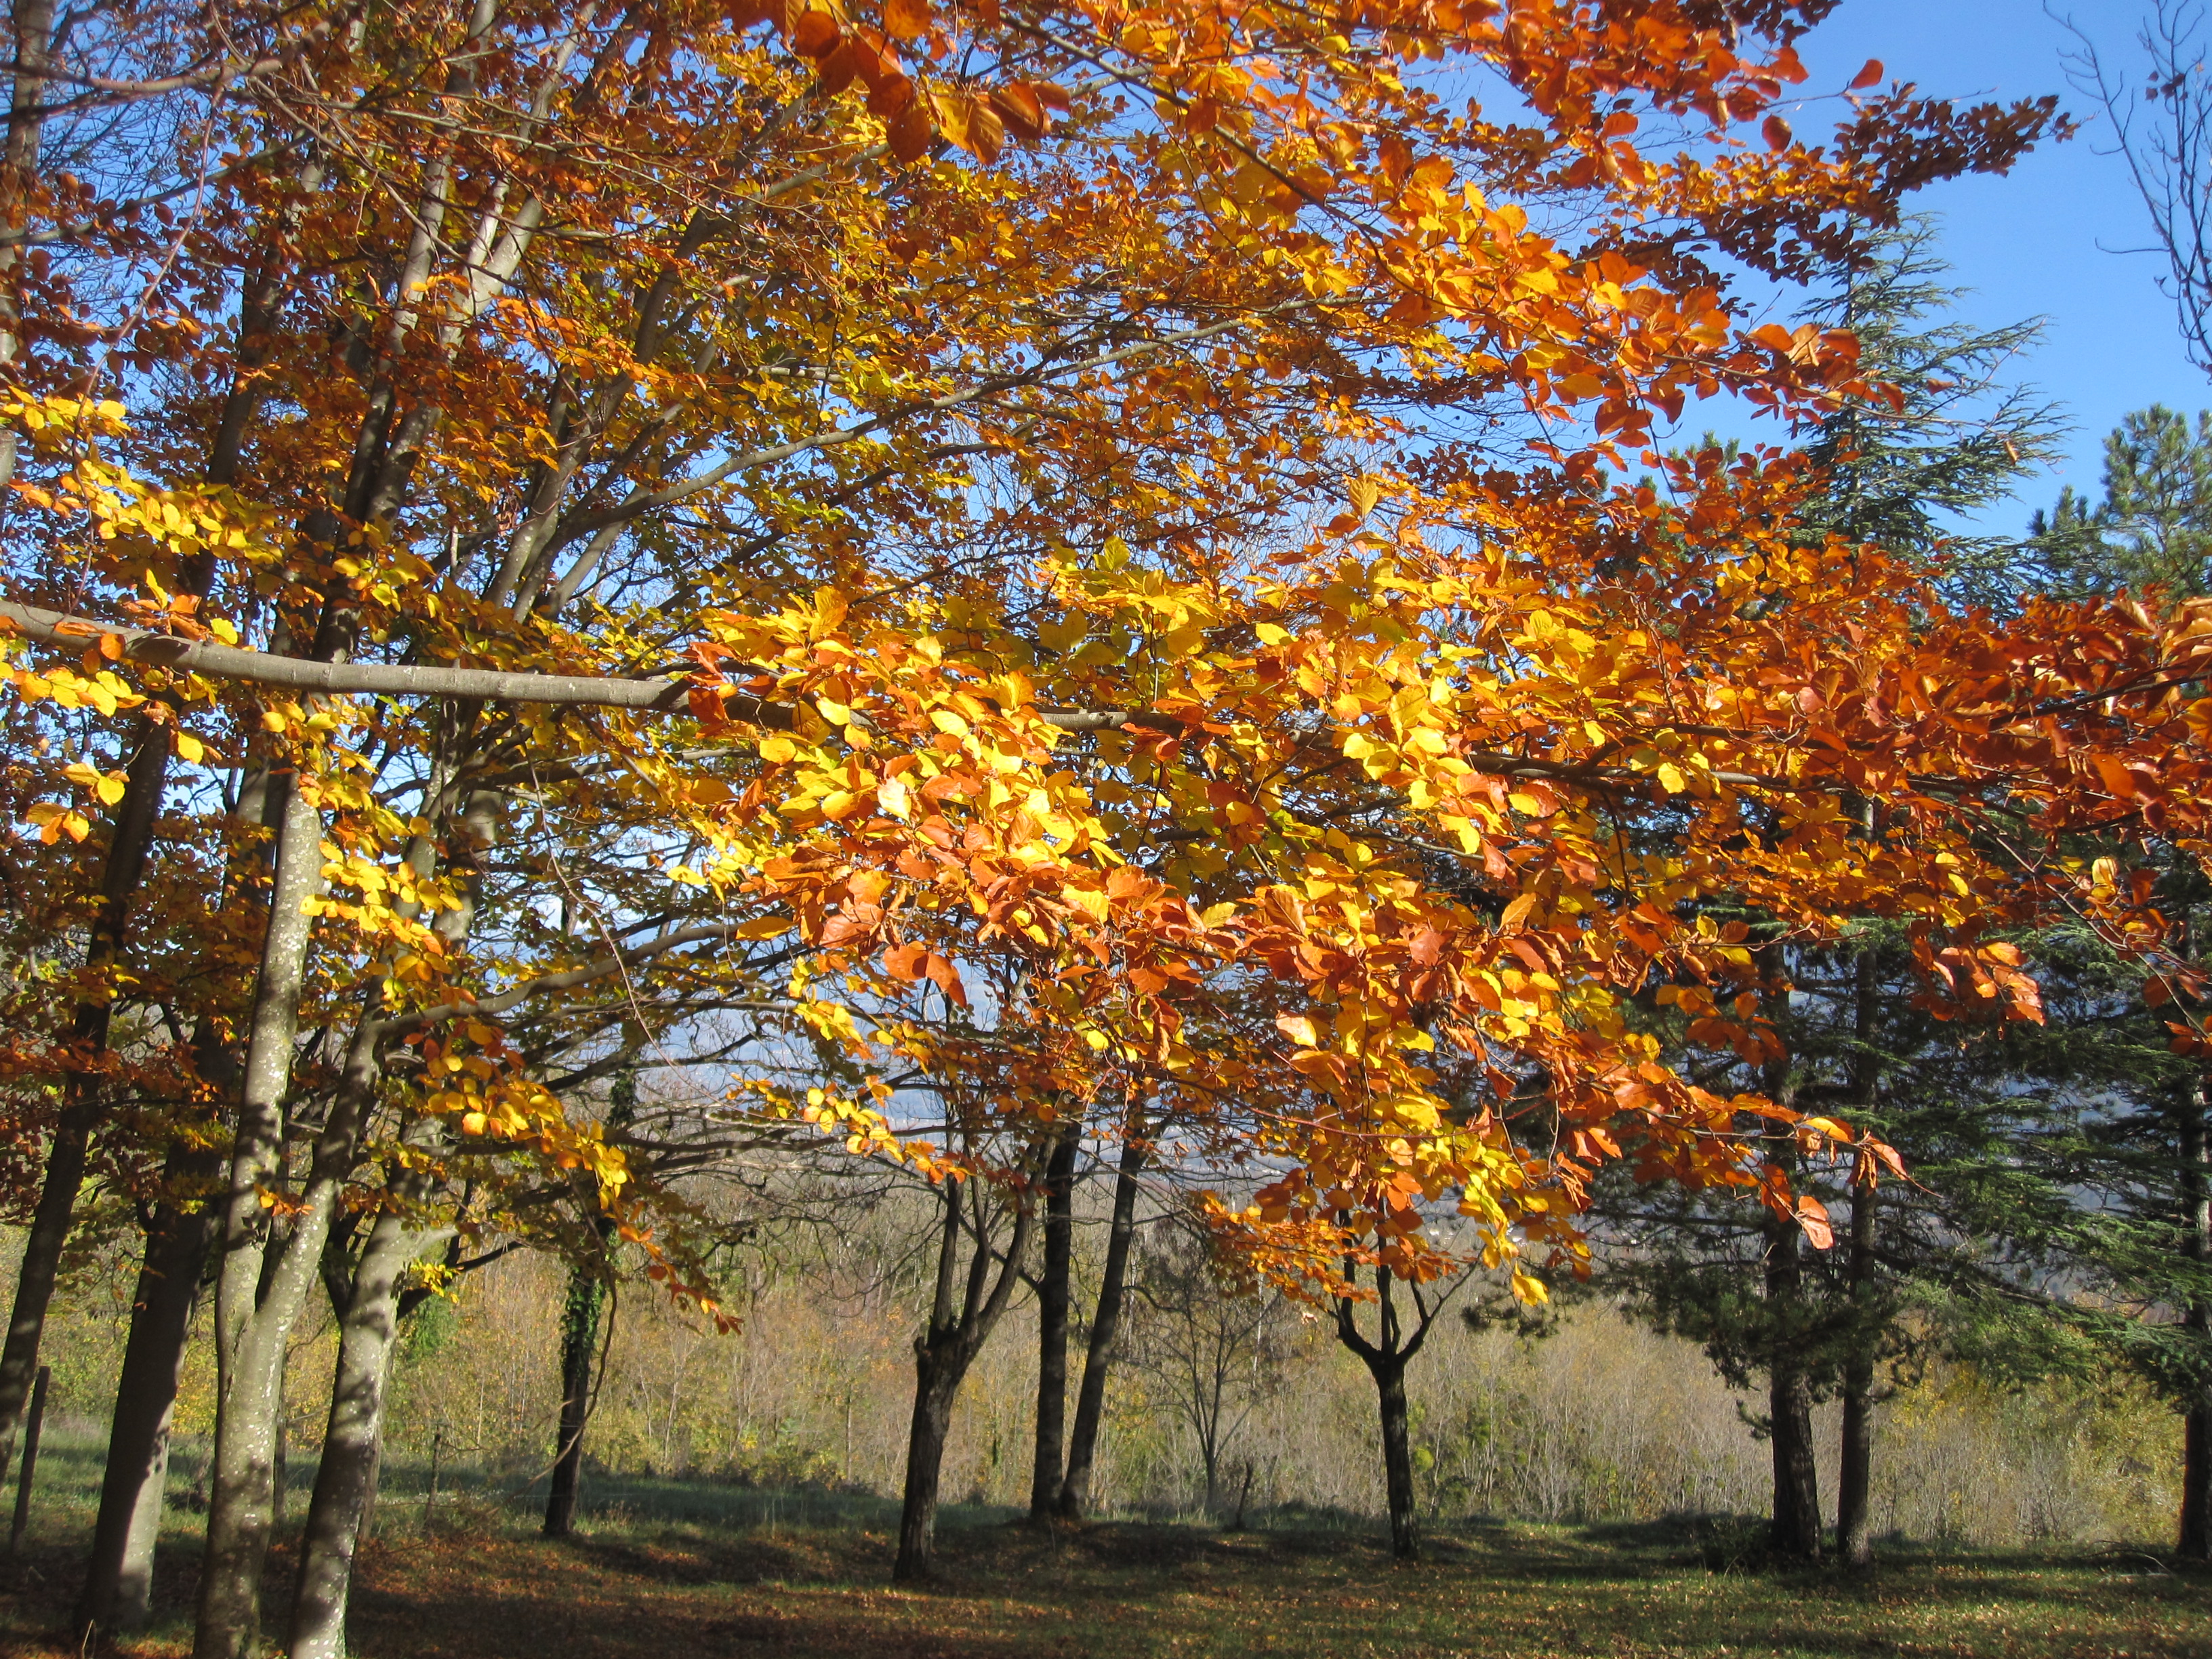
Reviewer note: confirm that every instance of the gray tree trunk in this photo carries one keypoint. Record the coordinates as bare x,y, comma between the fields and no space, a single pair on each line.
2194,1542
252,1330
352,1442
119,1578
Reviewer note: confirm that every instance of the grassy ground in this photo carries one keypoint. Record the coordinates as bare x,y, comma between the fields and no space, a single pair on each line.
668,1569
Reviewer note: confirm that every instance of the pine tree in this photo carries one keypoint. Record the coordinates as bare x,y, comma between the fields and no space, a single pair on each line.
2153,527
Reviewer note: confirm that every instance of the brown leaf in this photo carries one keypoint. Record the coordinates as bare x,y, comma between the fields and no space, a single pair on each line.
910,130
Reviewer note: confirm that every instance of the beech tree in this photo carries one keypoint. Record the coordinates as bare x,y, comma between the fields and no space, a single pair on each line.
1022,547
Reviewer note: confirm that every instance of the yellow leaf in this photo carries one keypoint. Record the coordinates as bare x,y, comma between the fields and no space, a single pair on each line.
190,748
1671,779
1299,1030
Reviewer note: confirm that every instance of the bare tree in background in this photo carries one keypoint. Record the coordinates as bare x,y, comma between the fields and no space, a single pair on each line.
2161,117
1213,1347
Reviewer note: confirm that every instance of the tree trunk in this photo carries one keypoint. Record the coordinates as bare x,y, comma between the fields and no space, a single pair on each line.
1397,1455
1052,1297
252,1330
123,869
937,1381
579,1342
33,26
1855,1481
119,1580
2195,1540
1105,1326
1796,1526
960,1323
352,1442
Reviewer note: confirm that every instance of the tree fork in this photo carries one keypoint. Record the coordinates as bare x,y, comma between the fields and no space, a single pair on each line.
1105,1326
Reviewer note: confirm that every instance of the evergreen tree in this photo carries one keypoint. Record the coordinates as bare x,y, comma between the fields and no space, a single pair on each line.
1957,437
2153,527
1854,1020
2112,1092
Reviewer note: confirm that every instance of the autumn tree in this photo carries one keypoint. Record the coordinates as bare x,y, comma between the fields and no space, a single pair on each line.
658,493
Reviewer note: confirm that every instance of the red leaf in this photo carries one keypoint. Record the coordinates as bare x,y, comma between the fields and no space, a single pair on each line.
1776,131
1867,76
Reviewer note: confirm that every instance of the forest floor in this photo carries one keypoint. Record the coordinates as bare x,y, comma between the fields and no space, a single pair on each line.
690,1571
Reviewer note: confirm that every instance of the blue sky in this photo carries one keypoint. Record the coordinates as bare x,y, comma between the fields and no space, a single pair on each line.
2045,240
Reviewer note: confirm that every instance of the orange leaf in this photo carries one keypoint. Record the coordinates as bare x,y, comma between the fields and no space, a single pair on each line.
2114,771
905,961
1867,76
888,96
946,978
816,34
1813,1217
906,19
842,66
1018,107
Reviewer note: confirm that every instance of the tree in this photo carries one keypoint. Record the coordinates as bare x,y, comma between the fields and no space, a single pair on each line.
964,1309
2162,120
2152,530
1080,569
1386,1355
1209,1343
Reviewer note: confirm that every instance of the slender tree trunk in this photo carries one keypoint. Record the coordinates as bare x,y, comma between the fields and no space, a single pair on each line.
1105,1326
2195,1540
1796,1526
1052,1297
1397,1455
119,1580
353,1441
1855,1479
33,26
580,1343
251,1329
124,867
580,1338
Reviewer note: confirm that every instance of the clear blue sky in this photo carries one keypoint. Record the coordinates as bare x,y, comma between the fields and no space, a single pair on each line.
2045,240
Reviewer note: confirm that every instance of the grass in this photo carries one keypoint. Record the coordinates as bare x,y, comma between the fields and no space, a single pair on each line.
668,1568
